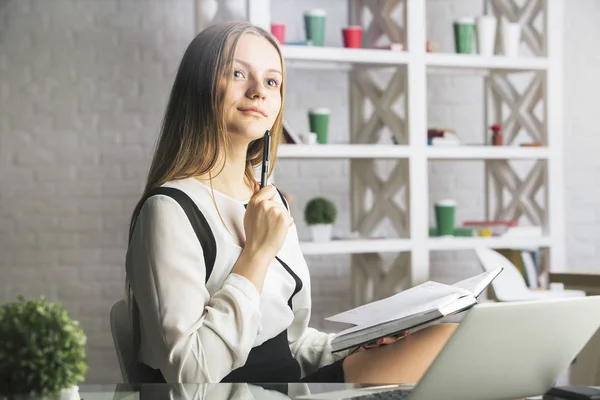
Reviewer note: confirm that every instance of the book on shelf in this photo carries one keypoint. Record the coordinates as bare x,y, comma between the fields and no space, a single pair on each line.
410,310
526,262
289,136
442,137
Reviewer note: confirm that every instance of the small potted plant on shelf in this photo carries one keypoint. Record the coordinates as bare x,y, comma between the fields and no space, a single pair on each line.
42,351
320,214
497,139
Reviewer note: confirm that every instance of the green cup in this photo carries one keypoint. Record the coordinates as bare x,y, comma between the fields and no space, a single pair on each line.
314,26
464,32
444,217
318,121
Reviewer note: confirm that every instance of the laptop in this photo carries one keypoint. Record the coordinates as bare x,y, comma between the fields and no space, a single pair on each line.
500,351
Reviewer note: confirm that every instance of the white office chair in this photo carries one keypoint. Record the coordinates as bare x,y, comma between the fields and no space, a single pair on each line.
122,334
510,284
132,370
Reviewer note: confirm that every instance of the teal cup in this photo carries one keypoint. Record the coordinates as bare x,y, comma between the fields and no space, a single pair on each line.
464,33
314,26
445,211
318,121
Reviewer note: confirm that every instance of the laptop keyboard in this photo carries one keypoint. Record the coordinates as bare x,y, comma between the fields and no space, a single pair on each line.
386,395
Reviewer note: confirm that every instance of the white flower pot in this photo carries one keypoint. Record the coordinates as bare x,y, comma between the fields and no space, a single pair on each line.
70,394
65,394
321,232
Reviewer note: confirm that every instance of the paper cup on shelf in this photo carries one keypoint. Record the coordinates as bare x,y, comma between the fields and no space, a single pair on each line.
464,29
309,138
444,217
278,30
314,26
486,35
352,36
511,38
318,120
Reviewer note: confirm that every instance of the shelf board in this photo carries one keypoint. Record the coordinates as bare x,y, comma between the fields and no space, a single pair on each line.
380,151
473,61
468,243
486,153
356,246
344,55
336,151
308,56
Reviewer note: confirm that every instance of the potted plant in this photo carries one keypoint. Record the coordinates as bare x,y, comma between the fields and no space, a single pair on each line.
320,214
497,139
42,351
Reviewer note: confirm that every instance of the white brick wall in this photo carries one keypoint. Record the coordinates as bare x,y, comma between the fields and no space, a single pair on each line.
582,136
83,84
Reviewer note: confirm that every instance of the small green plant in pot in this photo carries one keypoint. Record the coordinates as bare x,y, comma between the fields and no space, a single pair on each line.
42,351
320,214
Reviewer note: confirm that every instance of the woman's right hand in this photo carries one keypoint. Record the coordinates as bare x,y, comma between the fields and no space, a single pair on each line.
266,223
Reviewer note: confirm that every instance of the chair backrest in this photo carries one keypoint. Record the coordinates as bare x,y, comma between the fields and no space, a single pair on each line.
507,286
123,340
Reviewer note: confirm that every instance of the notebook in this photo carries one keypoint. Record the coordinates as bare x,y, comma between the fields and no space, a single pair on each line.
410,310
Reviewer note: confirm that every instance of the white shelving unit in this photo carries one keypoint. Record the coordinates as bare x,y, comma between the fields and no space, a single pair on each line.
413,156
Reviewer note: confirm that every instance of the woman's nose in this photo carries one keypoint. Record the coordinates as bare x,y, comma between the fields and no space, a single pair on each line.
255,90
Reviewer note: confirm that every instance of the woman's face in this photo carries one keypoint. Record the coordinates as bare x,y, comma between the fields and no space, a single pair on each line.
254,97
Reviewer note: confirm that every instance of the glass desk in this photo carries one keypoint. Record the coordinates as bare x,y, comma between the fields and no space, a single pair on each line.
227,391
239,391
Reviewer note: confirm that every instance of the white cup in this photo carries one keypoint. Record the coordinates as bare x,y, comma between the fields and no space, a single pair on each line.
486,35
309,138
511,38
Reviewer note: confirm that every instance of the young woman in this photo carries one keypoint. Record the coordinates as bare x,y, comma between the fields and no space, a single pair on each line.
244,317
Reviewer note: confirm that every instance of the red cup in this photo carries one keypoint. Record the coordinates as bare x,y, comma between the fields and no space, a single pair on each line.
352,37
278,30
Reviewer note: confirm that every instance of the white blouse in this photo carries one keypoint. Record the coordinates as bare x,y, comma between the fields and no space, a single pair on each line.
197,332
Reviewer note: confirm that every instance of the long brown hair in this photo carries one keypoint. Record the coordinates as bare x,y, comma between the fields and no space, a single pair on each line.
193,135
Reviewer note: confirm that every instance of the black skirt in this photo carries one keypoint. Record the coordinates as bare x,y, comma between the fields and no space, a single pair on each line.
272,362
332,373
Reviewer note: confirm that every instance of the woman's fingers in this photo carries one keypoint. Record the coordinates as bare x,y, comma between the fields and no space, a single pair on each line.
385,340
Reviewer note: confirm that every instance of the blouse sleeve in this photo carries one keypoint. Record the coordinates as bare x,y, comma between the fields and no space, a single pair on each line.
193,337
312,348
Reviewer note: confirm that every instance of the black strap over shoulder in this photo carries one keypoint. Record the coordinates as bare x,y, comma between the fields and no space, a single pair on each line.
198,221
283,199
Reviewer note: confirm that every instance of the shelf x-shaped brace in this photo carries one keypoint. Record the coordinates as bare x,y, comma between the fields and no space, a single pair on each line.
522,192
372,281
521,106
382,100
364,176
382,23
525,16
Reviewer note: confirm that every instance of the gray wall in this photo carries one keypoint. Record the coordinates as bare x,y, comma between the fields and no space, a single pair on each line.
83,84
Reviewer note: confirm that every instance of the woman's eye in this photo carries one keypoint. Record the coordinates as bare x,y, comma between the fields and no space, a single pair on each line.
237,73
272,82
